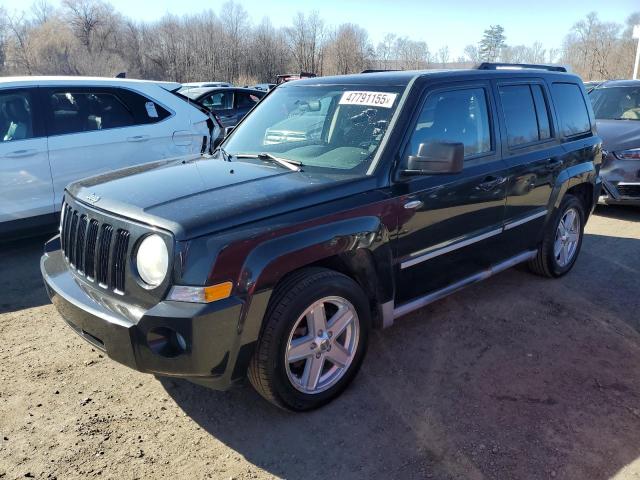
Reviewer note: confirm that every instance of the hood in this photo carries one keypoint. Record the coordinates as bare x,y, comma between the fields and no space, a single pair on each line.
619,134
197,196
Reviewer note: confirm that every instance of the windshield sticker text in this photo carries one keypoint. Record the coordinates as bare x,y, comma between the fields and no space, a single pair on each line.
370,99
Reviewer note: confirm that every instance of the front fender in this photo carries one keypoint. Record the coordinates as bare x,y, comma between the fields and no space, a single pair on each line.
267,263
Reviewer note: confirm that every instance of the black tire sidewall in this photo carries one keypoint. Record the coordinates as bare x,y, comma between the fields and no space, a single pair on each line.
568,202
339,285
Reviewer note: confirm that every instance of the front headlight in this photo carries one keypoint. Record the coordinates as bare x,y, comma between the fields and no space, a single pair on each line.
152,260
632,154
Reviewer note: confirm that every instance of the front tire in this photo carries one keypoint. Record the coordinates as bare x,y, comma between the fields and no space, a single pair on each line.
313,341
562,240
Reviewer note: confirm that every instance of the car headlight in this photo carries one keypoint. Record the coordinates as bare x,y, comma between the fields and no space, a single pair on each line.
152,260
632,154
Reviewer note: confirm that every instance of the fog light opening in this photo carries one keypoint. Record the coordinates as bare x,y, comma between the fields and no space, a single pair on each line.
166,342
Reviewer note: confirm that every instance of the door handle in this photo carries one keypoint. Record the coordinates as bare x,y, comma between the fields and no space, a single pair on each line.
21,153
413,205
553,164
138,138
491,182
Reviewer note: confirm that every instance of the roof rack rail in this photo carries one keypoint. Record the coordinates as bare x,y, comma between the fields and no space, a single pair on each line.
499,66
378,71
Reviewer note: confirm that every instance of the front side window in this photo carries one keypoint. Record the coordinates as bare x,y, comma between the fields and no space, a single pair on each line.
75,112
16,119
219,101
616,103
456,116
572,111
336,127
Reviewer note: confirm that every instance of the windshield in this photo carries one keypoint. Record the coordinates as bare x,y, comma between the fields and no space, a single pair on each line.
616,103
335,127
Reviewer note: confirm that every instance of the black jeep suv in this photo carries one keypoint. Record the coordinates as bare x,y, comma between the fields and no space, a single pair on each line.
336,206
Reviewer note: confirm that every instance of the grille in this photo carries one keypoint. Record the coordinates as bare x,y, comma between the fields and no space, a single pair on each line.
629,190
95,249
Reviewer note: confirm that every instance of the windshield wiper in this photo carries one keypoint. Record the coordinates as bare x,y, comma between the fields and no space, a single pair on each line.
284,162
225,156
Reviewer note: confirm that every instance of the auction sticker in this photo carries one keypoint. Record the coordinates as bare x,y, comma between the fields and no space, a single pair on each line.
370,99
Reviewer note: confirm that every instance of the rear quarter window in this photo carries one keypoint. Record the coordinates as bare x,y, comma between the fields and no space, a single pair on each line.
571,108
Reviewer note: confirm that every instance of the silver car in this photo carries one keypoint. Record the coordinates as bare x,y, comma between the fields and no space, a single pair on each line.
616,105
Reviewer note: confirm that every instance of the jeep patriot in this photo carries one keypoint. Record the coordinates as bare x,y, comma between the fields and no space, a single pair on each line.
337,205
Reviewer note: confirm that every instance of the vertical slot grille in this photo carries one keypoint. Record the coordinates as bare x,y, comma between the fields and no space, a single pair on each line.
80,247
119,259
72,238
90,252
95,249
104,245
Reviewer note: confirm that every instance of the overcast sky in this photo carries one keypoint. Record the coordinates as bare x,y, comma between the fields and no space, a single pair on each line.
455,23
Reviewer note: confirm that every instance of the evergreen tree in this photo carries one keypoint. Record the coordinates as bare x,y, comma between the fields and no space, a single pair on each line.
492,43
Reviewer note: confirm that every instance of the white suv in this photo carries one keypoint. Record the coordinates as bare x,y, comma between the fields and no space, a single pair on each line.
55,130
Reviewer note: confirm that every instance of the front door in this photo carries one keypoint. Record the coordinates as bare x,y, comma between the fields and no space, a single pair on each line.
452,223
25,176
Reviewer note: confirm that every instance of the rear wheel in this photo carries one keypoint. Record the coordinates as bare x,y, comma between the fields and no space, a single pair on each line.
313,341
561,244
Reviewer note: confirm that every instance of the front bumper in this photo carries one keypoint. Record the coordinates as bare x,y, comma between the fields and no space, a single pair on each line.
621,181
129,334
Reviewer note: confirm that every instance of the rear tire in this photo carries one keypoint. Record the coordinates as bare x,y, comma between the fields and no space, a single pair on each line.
314,339
562,240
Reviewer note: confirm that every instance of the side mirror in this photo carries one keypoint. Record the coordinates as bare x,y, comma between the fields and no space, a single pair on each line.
228,130
436,158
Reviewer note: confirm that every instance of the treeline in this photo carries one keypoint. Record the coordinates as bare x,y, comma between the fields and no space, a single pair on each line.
88,37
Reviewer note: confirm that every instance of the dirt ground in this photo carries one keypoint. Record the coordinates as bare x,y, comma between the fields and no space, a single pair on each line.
515,378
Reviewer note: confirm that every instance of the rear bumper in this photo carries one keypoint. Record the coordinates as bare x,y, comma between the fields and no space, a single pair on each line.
147,339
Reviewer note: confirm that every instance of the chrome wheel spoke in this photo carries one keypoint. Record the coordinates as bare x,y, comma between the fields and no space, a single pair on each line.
573,237
338,355
300,348
312,371
317,320
340,320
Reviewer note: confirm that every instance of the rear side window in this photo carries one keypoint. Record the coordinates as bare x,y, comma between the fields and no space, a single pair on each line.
519,114
74,112
456,116
571,108
246,100
16,116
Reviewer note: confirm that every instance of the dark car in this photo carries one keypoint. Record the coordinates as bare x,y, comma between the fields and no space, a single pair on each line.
616,105
265,87
228,104
274,260
590,85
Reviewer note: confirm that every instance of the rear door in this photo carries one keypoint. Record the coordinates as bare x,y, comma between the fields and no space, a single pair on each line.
25,178
93,130
451,224
534,156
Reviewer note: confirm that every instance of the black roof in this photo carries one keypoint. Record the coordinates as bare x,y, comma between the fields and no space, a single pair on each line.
619,83
403,77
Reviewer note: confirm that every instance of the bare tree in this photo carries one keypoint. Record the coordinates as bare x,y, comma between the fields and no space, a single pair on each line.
443,55
306,42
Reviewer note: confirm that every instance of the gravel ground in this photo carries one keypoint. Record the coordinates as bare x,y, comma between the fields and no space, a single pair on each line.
516,377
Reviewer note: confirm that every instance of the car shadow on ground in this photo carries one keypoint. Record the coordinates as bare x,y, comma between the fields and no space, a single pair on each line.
619,212
20,280
516,377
